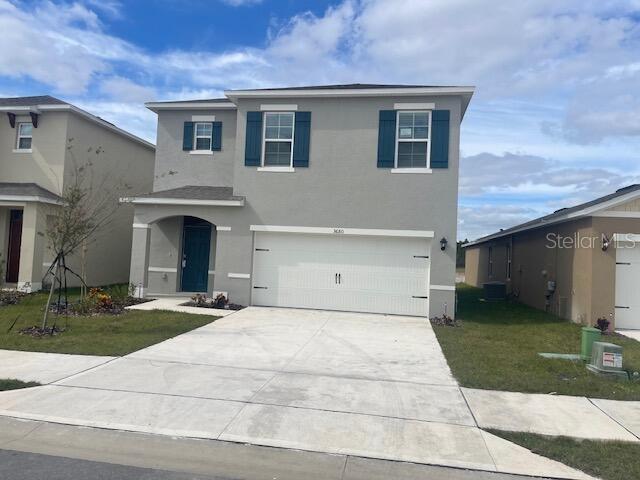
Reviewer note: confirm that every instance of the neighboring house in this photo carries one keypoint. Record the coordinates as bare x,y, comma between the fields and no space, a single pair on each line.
580,263
331,197
41,140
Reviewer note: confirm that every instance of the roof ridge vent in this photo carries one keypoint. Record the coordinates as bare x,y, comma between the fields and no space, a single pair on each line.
561,209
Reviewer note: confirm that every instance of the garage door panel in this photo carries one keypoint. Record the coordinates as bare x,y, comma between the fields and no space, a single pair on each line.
377,274
627,281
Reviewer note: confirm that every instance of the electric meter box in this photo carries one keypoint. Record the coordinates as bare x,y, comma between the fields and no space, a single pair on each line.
606,359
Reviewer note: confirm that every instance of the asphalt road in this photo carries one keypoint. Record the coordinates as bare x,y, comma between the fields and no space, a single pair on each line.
33,466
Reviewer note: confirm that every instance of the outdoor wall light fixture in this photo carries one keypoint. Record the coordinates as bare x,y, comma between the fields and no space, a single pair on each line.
443,243
605,243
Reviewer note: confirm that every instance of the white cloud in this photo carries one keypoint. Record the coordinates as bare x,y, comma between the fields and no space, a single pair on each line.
125,90
241,3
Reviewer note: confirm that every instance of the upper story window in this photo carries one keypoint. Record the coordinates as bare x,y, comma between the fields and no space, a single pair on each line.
203,132
278,139
413,139
25,131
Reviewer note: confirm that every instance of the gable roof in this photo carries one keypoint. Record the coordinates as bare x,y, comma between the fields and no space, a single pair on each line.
582,210
27,192
30,101
47,103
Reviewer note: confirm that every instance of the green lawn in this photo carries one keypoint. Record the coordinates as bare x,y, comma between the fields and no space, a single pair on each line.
13,384
606,460
94,335
497,348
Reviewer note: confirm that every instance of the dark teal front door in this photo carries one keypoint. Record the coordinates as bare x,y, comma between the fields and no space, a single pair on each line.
196,244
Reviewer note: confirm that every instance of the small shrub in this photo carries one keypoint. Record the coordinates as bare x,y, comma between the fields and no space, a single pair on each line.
444,321
602,324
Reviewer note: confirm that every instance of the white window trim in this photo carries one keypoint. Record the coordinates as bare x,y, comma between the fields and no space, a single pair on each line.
411,170
196,136
398,140
18,149
276,168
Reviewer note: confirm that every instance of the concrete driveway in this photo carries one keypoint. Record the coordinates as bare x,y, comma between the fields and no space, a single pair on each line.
367,385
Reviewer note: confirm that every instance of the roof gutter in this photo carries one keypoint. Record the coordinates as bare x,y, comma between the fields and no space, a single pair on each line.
189,105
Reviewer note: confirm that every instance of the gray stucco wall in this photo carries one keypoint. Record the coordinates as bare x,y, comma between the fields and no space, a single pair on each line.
176,168
342,187
123,168
45,164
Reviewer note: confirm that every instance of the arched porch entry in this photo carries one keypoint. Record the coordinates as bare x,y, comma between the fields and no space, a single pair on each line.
181,256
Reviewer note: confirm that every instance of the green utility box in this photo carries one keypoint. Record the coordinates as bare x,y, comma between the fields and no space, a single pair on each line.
589,335
606,359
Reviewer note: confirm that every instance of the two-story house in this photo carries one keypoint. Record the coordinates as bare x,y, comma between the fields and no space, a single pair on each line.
340,197
42,141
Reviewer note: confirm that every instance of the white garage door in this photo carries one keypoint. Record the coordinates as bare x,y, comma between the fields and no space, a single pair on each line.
627,284
342,272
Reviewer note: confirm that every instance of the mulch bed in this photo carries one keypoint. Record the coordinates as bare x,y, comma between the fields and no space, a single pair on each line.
11,297
36,331
228,306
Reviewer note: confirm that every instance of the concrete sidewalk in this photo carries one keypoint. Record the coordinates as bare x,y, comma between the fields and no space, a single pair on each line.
556,415
45,367
197,458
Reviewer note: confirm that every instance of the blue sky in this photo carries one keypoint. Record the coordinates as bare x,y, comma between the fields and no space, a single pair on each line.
555,120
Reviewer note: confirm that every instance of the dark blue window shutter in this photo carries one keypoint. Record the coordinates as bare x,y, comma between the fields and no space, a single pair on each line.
187,136
440,139
301,139
253,139
387,139
216,136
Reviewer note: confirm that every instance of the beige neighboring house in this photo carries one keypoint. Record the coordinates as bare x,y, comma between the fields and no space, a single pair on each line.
35,163
580,263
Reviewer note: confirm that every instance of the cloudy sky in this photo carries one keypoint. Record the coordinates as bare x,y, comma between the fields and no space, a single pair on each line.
555,119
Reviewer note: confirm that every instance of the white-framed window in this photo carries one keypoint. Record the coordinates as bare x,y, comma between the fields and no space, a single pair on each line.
277,143
413,139
508,262
202,132
25,132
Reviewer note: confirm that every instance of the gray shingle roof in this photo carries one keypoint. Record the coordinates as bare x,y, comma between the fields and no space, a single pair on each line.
30,101
353,86
27,189
195,192
541,221
200,100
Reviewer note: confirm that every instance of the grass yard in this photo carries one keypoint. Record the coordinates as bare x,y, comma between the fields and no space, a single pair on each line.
606,460
13,384
497,347
93,335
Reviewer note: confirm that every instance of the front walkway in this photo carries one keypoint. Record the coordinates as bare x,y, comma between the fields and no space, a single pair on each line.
357,384
175,304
